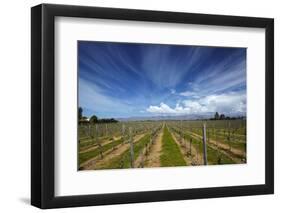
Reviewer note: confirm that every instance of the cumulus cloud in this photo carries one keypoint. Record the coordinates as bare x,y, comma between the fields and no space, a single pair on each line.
162,108
229,103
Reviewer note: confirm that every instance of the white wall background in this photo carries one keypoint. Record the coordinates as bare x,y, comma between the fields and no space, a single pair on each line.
15,105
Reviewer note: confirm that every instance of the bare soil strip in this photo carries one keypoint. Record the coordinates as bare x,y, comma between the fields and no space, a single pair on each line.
213,146
183,148
95,146
140,160
228,154
223,148
153,158
236,153
97,162
89,139
196,156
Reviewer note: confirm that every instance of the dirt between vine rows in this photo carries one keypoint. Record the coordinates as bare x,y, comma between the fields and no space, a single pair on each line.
140,159
213,146
197,157
89,139
97,162
95,146
183,150
223,147
153,158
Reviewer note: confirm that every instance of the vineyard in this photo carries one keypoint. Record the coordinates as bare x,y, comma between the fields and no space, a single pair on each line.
146,144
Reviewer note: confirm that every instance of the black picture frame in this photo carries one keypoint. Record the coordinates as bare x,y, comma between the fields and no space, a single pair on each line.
43,105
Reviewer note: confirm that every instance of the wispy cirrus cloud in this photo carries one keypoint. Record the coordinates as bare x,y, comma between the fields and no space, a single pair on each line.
225,75
125,79
92,97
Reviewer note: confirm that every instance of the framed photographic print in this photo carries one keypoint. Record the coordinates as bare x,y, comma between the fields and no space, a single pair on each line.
139,106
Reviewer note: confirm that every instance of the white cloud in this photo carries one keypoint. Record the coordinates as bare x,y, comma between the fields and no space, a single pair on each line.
229,103
188,93
163,108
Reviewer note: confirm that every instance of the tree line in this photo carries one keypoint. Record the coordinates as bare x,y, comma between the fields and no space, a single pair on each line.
218,116
93,119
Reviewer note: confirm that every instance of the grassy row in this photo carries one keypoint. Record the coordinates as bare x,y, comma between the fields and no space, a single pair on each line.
92,141
221,135
124,160
171,155
241,145
83,157
234,142
213,155
87,144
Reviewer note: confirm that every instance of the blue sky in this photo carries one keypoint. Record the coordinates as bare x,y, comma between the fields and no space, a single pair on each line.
122,80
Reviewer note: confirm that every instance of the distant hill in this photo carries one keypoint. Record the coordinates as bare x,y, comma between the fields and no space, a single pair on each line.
171,117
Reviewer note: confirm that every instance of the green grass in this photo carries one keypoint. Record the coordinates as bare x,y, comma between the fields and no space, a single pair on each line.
89,142
236,141
213,156
138,147
83,157
85,145
171,155
240,145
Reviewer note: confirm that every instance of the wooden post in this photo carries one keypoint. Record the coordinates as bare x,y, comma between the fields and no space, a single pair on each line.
89,131
96,133
229,140
100,148
142,161
204,145
197,150
190,142
217,148
131,147
186,150
123,133
151,141
181,133
146,149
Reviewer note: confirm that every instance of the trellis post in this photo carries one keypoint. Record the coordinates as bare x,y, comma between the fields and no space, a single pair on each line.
123,133
181,133
96,135
131,147
204,145
229,136
190,142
